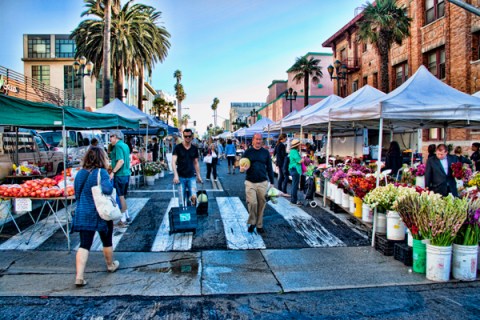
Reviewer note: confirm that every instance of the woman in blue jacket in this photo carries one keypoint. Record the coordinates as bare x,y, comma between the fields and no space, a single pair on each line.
86,219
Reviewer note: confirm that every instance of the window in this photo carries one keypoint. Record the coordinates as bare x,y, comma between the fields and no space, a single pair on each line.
436,62
476,46
364,47
375,80
365,81
435,134
355,86
70,80
401,74
64,48
41,74
434,9
39,46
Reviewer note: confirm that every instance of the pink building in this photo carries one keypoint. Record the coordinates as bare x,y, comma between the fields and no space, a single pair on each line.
278,107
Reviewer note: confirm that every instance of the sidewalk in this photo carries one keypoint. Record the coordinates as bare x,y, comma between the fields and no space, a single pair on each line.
48,273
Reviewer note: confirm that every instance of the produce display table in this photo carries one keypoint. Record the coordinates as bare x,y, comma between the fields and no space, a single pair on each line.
49,205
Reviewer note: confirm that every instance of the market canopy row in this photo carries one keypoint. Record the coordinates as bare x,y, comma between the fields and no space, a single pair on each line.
23,113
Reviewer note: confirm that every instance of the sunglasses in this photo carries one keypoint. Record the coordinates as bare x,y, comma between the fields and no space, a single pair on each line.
187,136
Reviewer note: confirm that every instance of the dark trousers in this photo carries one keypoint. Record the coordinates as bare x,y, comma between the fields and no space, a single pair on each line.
295,182
212,167
282,180
86,237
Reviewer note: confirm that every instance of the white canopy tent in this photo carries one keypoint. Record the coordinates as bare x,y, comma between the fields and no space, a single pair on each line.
277,126
422,101
296,121
257,127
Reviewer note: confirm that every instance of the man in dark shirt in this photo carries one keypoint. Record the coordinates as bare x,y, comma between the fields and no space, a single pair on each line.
258,179
155,149
185,165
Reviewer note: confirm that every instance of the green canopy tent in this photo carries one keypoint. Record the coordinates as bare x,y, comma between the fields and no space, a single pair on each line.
27,114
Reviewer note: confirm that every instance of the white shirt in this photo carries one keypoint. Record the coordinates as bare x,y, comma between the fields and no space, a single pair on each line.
444,163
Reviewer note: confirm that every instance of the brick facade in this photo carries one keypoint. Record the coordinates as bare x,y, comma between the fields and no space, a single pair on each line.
457,32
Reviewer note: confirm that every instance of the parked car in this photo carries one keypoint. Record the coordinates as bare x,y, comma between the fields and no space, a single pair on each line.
28,147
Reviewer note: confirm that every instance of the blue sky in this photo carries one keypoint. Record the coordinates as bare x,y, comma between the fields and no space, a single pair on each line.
230,49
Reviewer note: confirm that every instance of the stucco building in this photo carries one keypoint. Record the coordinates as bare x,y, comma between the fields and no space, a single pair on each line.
444,37
278,107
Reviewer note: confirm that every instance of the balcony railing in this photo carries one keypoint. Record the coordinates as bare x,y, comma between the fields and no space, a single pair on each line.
353,64
17,85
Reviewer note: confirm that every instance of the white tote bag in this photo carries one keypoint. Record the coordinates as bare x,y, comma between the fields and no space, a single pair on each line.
207,159
107,206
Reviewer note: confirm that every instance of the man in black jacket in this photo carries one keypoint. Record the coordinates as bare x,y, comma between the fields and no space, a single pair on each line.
259,173
438,172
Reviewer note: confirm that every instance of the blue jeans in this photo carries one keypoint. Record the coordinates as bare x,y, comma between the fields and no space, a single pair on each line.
189,187
295,182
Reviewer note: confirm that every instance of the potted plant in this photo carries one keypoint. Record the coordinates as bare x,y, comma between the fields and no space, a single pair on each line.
149,172
465,246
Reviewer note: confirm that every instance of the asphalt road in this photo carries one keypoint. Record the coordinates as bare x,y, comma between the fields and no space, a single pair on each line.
435,301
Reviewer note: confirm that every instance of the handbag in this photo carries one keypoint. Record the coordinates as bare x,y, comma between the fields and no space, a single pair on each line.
107,206
207,159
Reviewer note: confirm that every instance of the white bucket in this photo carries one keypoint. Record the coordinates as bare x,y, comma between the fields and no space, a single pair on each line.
338,196
420,181
409,238
438,263
381,225
395,226
345,200
464,262
351,204
333,191
162,174
366,213
150,180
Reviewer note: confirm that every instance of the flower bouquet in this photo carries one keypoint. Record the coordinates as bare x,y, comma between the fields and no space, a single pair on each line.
338,176
150,169
469,233
361,185
440,218
475,180
382,197
408,207
329,172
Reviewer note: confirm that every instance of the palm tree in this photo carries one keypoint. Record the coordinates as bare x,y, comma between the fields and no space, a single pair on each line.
305,68
137,42
163,109
185,119
383,24
214,108
179,91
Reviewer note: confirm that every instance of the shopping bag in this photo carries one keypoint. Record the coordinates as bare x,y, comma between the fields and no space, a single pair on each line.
107,206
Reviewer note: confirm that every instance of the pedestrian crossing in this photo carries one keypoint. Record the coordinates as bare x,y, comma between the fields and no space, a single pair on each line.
231,210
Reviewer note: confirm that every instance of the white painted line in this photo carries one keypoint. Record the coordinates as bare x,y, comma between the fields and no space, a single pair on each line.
314,234
43,230
169,191
164,241
234,218
135,205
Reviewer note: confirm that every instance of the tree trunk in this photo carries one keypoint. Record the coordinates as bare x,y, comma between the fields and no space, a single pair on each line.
385,81
305,89
106,53
119,83
140,89
179,111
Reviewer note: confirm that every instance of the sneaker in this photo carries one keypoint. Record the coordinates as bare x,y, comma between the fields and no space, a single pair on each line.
216,179
129,220
207,179
122,224
251,228
114,266
299,203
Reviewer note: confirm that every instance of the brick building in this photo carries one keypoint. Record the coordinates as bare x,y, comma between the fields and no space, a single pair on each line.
444,37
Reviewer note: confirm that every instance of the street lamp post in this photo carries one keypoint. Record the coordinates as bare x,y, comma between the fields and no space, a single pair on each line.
291,96
80,66
254,115
340,71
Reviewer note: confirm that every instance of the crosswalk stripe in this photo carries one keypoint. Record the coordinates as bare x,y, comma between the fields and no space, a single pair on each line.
164,241
43,230
310,229
135,205
234,218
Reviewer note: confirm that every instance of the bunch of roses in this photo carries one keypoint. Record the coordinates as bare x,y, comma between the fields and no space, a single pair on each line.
461,171
361,185
418,170
338,176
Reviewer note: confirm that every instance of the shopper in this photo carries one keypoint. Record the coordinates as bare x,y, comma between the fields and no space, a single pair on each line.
230,151
258,179
185,165
280,154
120,157
394,158
86,219
476,156
213,156
295,170
460,157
